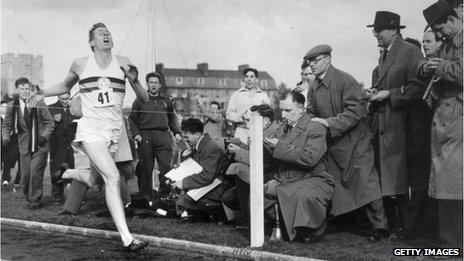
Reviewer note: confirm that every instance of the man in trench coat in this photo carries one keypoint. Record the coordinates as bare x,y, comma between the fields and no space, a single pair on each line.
301,185
400,126
336,100
446,174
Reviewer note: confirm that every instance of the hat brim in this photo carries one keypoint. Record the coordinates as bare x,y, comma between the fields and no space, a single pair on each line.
399,27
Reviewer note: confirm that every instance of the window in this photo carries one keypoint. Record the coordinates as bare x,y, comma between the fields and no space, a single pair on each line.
264,83
201,81
179,80
222,82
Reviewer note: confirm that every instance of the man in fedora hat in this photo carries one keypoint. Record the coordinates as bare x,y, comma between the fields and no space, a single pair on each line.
336,100
446,171
399,124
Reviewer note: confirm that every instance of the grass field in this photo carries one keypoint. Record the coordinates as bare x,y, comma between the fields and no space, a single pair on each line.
336,245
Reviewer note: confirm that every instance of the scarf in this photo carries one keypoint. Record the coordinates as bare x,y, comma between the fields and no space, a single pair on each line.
31,124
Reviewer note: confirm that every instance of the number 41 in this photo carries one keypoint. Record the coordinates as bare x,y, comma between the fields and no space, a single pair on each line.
101,99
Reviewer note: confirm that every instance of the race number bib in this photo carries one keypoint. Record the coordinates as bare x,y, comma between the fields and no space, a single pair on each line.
104,95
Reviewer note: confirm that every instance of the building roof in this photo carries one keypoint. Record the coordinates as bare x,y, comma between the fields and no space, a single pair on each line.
212,78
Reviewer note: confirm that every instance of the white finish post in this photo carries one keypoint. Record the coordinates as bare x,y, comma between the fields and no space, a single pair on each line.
256,181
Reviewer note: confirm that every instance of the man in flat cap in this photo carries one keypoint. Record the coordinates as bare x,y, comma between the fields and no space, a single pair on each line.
446,171
400,124
335,100
238,109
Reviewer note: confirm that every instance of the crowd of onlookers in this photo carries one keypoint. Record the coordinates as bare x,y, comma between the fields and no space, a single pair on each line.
392,151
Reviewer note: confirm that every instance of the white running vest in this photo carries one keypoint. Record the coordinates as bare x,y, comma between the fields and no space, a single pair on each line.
102,93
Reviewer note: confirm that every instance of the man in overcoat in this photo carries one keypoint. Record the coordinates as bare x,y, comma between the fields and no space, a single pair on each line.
301,185
400,126
446,175
336,100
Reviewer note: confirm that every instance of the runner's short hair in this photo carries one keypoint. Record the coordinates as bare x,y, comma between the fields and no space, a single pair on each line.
92,29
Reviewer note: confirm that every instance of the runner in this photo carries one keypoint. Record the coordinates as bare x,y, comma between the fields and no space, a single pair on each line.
101,78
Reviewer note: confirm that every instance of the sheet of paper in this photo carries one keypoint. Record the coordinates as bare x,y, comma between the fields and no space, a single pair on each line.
186,168
196,194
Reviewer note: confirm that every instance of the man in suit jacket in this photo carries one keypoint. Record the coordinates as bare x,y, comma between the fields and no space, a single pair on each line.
210,156
60,142
401,126
301,185
34,127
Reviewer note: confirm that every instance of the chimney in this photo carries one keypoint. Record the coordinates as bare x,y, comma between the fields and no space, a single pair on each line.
159,68
203,68
242,67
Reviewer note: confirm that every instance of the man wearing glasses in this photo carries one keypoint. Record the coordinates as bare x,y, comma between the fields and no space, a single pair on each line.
400,126
335,100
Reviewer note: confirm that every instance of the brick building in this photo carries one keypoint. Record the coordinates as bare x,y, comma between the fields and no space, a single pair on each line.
15,66
218,85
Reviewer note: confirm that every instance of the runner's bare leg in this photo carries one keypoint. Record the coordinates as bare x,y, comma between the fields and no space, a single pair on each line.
100,157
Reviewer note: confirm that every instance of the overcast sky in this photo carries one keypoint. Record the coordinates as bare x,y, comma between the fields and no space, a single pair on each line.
272,36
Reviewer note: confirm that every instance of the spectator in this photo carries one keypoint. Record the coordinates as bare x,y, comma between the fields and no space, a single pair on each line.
210,156
34,126
212,119
10,154
307,77
301,185
60,143
446,173
431,44
336,101
238,110
400,127
151,123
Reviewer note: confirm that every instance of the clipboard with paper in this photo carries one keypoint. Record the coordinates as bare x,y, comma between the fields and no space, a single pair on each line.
187,168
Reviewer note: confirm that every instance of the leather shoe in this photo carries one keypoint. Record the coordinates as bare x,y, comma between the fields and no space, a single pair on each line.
58,175
379,234
136,246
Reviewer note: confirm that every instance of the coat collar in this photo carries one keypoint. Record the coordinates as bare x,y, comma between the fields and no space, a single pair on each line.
328,75
244,89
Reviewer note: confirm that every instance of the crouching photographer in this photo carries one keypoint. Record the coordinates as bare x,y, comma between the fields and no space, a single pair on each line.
210,156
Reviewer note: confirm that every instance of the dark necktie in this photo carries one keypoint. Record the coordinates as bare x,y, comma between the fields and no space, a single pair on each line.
26,114
384,55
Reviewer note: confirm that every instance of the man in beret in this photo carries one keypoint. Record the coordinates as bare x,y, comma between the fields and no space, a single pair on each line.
400,124
238,109
446,174
335,100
